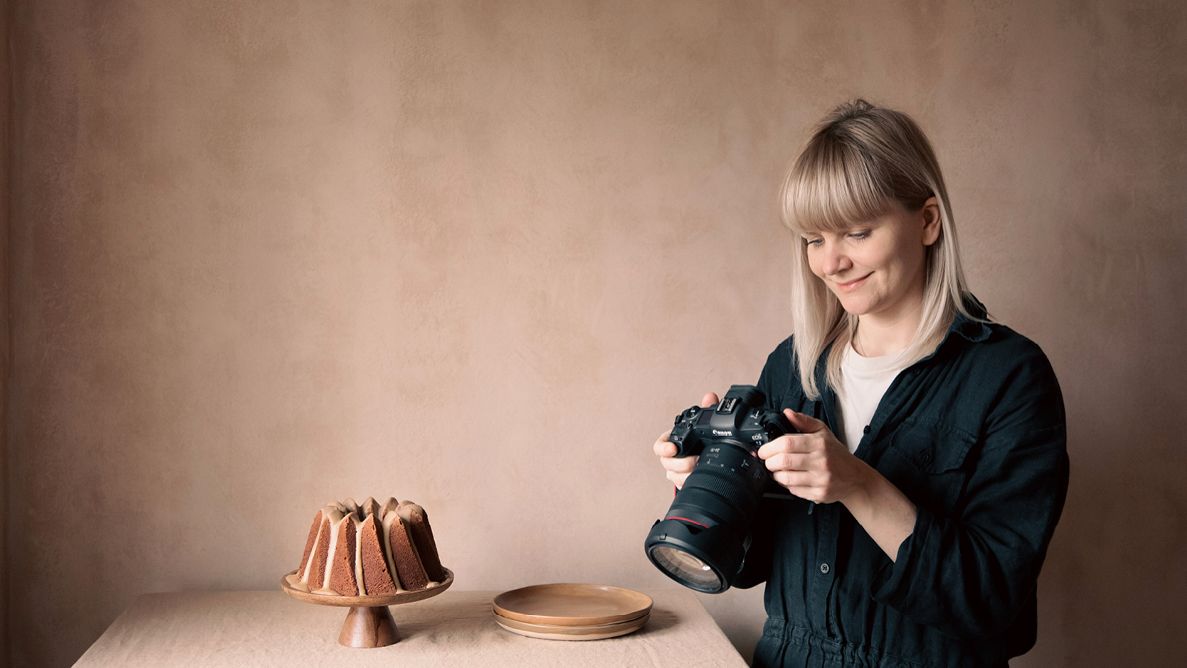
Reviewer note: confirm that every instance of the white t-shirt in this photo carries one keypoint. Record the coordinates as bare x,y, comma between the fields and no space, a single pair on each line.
863,382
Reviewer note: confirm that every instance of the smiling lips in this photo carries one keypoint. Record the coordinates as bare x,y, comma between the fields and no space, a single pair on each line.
852,285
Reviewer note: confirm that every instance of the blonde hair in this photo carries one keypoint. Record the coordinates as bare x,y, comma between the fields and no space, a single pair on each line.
860,160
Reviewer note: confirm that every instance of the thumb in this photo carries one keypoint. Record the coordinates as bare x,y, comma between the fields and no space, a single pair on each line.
709,399
805,424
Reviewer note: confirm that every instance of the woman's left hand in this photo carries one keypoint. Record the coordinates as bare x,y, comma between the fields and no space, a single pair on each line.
813,464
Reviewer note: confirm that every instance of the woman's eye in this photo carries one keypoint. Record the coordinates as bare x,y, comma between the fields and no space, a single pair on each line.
813,242
859,235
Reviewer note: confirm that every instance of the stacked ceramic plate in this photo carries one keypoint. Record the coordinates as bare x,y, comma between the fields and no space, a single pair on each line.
572,611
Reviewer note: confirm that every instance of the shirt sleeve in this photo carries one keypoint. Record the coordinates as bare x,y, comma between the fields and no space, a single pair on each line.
971,573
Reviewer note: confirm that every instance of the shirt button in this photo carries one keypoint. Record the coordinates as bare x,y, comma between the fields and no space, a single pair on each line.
866,430
824,568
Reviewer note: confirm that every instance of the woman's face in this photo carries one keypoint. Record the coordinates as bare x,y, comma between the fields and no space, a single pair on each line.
876,267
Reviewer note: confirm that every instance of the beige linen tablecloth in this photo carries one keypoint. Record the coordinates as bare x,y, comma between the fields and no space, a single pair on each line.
456,628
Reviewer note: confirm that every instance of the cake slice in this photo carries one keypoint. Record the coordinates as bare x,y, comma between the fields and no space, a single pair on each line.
315,572
310,542
408,568
340,574
373,572
416,520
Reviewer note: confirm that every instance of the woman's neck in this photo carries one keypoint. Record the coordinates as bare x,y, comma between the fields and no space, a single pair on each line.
886,333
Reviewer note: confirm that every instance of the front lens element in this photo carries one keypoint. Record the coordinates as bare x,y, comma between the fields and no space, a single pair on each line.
686,569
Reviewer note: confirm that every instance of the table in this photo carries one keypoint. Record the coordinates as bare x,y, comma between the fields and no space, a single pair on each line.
267,628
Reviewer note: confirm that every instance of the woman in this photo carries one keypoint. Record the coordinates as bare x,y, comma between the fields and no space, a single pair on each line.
931,451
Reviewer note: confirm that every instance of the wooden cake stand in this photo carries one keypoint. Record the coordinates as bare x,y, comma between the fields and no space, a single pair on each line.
369,623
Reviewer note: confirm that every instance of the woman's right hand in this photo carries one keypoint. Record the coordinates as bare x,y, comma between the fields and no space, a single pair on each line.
678,468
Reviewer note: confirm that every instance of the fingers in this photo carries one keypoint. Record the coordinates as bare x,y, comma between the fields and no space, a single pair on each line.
789,461
677,468
683,465
663,447
805,424
709,399
790,443
794,479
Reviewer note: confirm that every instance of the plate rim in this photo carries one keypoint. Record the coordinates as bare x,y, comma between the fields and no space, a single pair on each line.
499,605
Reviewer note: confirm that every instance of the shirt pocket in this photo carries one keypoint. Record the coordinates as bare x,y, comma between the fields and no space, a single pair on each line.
927,463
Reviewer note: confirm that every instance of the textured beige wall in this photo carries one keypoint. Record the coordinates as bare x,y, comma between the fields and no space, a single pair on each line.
477,254
5,127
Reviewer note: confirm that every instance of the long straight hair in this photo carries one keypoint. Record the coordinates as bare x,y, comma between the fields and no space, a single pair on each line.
858,163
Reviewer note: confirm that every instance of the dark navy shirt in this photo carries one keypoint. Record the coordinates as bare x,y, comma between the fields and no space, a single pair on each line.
974,436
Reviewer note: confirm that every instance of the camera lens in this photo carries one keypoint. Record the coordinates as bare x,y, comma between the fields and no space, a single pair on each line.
702,541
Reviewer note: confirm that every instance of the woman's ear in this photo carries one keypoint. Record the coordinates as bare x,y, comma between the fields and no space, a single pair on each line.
931,221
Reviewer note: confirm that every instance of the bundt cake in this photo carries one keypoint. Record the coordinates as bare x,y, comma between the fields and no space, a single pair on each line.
368,550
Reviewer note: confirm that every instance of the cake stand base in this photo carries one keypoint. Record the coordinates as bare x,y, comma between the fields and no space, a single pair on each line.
369,622
368,627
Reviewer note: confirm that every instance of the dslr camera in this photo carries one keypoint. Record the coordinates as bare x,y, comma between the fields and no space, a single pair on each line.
702,540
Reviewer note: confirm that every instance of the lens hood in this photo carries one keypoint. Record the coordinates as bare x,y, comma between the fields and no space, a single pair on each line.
706,558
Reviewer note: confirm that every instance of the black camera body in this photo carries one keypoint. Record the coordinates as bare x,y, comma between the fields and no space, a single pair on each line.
738,420
702,541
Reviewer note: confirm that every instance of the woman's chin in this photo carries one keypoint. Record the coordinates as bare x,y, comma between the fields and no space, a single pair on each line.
857,307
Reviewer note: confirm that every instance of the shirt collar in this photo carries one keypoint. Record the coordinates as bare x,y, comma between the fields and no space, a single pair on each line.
971,327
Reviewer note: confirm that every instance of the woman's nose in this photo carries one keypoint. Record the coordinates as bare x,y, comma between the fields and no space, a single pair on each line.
835,260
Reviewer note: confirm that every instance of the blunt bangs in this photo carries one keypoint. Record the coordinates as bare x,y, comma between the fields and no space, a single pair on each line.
833,186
